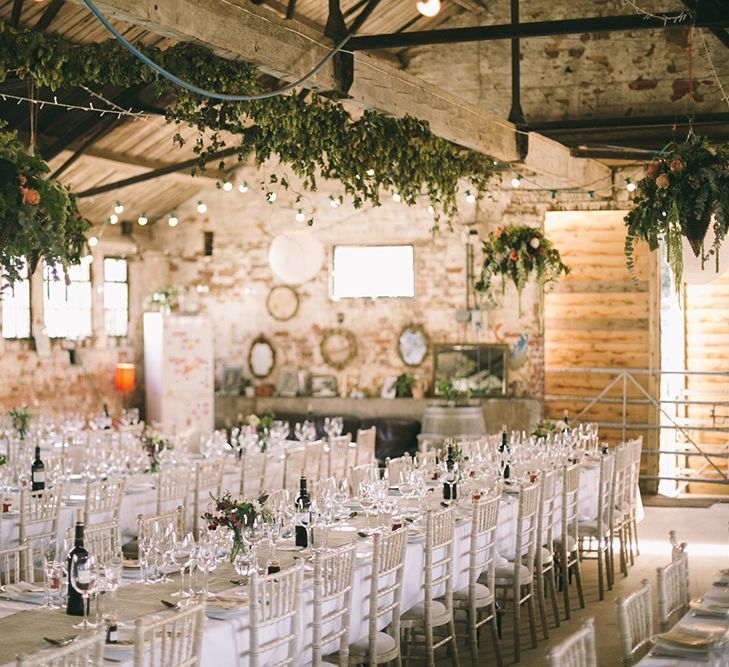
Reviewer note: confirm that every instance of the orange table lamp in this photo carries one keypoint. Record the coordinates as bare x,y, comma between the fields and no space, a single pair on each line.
124,377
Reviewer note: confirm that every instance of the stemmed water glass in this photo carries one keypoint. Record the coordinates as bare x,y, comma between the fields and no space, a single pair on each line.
207,561
182,557
112,576
52,574
84,575
299,431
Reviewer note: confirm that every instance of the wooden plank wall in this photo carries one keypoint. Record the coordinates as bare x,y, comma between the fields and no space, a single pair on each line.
706,309
598,318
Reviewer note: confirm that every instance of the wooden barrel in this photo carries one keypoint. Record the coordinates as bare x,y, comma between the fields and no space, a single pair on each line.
451,421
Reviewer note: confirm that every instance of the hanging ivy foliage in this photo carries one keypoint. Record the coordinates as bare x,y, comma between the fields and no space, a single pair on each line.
312,136
38,216
683,192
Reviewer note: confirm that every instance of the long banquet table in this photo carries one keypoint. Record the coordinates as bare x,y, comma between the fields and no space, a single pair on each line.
225,642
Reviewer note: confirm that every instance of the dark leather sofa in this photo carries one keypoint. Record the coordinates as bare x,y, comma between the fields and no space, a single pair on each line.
395,435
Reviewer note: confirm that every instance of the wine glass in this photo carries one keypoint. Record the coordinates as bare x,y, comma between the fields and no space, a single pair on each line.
84,574
51,573
181,554
299,432
113,575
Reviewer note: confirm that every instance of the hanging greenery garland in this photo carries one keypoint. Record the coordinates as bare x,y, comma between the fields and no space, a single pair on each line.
38,216
368,155
515,253
683,192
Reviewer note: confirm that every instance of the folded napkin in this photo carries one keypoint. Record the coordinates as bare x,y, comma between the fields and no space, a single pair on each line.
718,598
227,601
685,639
708,608
23,588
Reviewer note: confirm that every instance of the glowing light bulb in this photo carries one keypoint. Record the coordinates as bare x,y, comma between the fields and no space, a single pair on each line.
93,241
631,187
243,187
201,207
431,209
118,207
227,186
142,219
396,197
515,182
271,197
172,221
370,172
470,197
428,8
113,218
300,217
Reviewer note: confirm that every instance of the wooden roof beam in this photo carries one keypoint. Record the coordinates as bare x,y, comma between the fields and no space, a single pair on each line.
288,49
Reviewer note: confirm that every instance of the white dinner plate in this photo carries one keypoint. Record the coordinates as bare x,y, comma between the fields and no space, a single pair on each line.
222,614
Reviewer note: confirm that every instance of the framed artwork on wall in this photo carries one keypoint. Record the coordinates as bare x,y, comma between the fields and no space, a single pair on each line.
477,369
324,386
230,383
288,382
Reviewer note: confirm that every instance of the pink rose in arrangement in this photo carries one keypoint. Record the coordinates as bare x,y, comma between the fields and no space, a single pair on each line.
534,243
662,181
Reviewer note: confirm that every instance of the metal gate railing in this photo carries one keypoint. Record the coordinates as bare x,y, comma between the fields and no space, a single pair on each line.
676,434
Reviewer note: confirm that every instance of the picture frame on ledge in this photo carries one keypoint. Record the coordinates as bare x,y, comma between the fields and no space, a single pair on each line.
230,381
287,385
324,386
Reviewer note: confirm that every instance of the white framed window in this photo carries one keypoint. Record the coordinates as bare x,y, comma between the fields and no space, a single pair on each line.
116,296
67,307
373,271
16,306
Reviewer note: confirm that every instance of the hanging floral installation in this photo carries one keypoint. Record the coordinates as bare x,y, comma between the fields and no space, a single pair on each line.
683,193
38,215
516,253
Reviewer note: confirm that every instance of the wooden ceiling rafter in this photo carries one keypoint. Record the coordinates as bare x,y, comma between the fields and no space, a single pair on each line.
15,13
503,31
48,15
701,6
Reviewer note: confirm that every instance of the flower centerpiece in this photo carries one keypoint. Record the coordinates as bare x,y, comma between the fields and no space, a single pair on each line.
236,515
516,252
20,419
153,443
547,427
38,215
261,427
683,192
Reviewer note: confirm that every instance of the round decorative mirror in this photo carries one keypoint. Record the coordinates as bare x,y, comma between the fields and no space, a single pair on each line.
412,345
338,347
261,357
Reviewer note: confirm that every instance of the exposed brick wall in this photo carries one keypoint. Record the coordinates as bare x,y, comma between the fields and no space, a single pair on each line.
644,72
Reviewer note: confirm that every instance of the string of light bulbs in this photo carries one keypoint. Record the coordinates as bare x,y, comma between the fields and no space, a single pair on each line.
119,112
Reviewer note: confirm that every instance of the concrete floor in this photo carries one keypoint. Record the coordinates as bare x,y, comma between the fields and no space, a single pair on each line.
705,530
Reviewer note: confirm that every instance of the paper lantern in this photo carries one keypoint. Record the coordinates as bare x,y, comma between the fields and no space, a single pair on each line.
693,274
124,377
296,256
